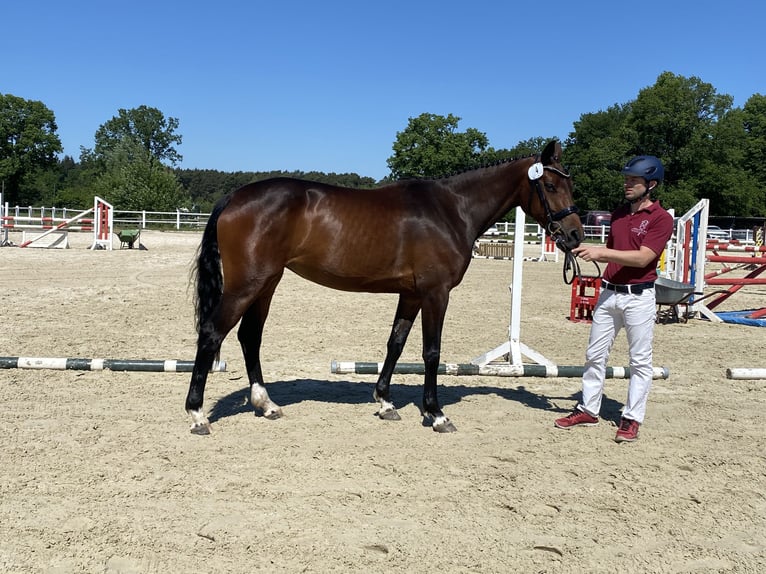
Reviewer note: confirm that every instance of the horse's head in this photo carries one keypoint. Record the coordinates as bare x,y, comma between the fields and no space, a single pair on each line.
550,202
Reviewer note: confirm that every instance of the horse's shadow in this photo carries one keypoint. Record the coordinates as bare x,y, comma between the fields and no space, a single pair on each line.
286,393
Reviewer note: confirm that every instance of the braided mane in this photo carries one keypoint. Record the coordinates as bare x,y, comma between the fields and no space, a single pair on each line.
486,165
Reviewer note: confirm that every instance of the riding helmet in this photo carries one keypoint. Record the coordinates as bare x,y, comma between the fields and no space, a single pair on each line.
646,166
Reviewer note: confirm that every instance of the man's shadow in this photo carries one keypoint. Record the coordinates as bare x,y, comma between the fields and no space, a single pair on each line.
286,393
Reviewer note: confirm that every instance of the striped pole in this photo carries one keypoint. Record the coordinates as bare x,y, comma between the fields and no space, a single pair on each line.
490,369
737,259
730,247
61,225
73,364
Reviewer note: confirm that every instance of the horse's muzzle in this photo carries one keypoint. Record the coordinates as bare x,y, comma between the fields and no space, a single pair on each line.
567,241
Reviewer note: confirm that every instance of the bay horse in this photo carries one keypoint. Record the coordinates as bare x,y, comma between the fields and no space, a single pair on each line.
411,237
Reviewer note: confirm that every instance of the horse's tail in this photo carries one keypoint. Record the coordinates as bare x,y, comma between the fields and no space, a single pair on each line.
207,272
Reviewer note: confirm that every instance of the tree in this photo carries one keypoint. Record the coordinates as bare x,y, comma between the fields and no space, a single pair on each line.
128,159
523,148
595,152
700,139
431,146
28,144
147,127
754,149
675,119
132,181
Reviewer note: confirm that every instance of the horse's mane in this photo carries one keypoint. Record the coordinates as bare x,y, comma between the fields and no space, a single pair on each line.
496,163
477,167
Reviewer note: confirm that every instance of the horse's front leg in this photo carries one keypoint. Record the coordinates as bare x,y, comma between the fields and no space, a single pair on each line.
434,311
250,335
406,311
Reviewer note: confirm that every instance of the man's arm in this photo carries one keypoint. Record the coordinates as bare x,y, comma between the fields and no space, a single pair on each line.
635,258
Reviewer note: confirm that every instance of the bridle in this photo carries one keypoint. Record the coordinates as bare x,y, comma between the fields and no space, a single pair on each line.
535,173
554,228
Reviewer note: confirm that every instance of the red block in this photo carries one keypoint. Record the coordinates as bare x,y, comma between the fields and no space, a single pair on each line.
585,292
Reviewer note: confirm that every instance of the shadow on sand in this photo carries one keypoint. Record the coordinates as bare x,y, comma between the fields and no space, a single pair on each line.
286,393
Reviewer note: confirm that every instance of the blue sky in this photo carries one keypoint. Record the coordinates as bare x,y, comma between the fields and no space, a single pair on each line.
326,86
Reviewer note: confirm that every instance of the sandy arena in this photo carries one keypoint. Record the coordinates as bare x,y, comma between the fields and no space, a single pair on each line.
99,473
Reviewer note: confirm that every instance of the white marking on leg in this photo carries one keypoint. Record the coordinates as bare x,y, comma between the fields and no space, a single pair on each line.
259,398
385,406
199,420
443,424
387,409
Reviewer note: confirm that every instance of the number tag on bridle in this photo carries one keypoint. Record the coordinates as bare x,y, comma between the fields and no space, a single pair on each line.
535,171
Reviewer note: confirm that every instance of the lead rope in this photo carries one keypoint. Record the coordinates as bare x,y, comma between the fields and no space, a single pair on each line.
570,262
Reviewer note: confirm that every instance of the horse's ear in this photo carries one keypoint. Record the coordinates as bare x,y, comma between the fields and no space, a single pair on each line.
552,153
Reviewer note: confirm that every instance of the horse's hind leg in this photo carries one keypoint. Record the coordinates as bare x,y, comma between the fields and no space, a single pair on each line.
250,335
211,334
406,312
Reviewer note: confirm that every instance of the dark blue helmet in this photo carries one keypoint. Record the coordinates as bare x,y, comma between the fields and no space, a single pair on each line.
646,166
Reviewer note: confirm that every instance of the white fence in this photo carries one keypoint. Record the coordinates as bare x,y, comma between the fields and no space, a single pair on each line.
505,229
184,219
178,219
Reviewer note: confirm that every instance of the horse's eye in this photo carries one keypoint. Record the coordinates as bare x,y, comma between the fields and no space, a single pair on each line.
550,187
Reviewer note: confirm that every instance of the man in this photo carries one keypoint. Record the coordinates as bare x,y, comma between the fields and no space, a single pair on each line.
638,234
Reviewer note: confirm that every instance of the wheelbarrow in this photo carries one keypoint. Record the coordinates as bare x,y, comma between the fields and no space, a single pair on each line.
128,237
672,294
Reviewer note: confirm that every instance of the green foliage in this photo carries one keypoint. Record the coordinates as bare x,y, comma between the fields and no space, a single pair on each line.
753,123
205,186
133,180
146,127
128,157
595,153
709,149
431,146
28,145
675,120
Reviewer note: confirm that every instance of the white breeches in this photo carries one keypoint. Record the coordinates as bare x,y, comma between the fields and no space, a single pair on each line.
613,312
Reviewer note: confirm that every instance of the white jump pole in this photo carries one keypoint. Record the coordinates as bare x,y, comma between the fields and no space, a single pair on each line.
514,348
3,213
744,373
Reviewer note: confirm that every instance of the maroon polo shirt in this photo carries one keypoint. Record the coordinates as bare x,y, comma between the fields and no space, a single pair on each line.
651,227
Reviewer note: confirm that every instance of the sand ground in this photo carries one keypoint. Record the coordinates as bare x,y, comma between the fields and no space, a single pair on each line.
99,473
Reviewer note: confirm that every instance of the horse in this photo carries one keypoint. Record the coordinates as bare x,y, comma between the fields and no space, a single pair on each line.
413,237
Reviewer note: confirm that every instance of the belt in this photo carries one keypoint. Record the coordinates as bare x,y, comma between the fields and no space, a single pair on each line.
633,288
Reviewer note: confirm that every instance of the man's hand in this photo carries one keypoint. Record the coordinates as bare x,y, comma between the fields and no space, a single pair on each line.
590,253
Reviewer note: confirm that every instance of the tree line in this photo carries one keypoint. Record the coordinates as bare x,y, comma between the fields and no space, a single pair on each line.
709,147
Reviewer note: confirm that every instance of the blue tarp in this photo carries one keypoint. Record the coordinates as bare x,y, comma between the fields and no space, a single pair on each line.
741,318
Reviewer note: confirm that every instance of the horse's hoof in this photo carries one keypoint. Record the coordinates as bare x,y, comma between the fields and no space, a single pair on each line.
200,429
390,415
273,414
444,425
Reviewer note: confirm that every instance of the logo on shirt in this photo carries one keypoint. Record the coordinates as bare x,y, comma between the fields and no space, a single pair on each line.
641,229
